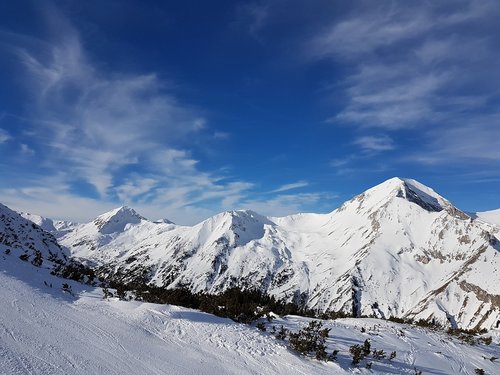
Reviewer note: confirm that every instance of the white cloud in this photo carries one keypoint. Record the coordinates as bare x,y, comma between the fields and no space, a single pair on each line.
477,140
125,134
373,26
365,32
342,162
371,143
4,136
254,16
294,185
27,150
426,67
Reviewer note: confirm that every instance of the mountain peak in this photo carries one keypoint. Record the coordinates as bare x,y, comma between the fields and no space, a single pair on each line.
239,226
115,220
416,192
403,188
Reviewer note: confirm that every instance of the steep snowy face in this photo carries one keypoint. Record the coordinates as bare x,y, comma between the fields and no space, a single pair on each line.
116,220
22,238
407,189
234,248
120,227
237,227
399,244
43,222
398,249
55,227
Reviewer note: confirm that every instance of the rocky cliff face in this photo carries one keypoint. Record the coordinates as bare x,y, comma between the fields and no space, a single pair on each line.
20,237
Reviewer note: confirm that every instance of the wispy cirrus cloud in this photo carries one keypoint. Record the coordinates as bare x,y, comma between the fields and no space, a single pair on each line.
291,186
426,67
375,143
108,138
124,135
254,16
4,136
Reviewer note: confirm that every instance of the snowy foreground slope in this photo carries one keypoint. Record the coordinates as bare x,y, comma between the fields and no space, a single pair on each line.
44,330
398,249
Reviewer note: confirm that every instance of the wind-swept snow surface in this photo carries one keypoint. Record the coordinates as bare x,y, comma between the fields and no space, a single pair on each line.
46,331
492,217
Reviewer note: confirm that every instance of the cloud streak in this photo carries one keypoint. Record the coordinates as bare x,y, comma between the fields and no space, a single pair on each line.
125,136
4,136
372,143
427,67
294,185
109,138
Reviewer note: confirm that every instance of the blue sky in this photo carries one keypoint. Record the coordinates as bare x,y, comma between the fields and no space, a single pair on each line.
185,109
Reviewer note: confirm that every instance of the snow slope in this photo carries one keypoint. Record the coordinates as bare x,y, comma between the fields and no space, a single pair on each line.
398,249
492,217
45,331
48,332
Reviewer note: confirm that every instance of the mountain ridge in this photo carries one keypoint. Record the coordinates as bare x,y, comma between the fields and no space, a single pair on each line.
398,249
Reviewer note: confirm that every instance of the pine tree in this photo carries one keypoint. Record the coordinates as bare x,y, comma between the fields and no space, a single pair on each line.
106,293
357,354
378,354
366,348
333,356
311,339
282,333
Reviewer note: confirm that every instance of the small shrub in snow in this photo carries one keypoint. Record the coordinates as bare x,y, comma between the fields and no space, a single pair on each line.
311,339
378,354
261,327
106,293
357,354
67,288
487,340
37,260
333,356
366,348
282,333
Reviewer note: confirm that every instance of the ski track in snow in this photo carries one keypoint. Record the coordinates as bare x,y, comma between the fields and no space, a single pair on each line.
46,331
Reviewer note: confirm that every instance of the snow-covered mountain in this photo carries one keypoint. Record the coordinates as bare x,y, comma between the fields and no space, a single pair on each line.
398,249
23,238
55,227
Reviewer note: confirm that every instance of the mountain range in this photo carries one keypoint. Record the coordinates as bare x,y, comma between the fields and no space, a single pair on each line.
397,250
